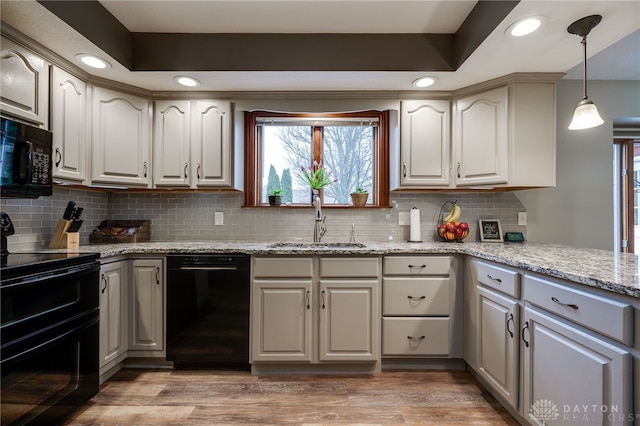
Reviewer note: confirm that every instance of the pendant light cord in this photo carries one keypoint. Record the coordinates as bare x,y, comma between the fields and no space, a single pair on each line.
584,66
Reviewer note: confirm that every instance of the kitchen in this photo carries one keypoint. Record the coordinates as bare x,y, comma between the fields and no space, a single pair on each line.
554,214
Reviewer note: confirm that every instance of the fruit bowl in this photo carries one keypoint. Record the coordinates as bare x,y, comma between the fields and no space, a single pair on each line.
449,228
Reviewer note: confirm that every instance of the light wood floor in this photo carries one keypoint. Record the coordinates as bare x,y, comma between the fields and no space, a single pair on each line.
172,397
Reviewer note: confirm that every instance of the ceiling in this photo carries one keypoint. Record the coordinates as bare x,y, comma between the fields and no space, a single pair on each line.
403,40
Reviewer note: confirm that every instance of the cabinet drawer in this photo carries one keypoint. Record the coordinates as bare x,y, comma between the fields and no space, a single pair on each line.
341,267
301,267
609,317
416,265
415,336
416,296
502,279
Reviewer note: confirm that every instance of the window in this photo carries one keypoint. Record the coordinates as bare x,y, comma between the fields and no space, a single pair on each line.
353,146
627,200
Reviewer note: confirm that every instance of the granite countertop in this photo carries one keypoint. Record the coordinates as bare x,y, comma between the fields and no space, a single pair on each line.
616,272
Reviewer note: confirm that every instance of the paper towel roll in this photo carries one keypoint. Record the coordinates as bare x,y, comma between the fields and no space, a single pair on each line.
414,232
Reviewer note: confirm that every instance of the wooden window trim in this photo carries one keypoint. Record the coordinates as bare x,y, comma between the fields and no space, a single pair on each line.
252,146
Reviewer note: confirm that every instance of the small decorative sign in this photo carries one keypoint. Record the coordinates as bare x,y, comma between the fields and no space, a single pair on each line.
490,230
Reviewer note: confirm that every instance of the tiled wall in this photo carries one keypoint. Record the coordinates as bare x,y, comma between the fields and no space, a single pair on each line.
35,220
190,216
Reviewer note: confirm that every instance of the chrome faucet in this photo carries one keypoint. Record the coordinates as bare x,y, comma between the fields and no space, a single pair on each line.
320,226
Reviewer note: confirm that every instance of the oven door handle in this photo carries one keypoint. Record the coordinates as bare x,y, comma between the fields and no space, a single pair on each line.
208,268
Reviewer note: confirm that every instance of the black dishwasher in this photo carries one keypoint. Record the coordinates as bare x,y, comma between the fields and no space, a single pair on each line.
208,310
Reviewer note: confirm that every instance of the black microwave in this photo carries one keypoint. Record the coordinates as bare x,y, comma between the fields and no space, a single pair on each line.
25,160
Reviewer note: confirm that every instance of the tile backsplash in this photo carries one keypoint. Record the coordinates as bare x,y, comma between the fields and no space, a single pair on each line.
189,216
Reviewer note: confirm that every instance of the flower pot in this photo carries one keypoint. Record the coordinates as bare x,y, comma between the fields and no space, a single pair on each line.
359,199
275,200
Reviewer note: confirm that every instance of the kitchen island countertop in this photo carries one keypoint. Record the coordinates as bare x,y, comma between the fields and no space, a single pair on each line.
616,272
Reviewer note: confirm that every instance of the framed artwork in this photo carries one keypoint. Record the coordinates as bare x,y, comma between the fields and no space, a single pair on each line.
490,231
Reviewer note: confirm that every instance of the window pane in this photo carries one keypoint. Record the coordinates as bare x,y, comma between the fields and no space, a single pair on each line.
284,150
348,152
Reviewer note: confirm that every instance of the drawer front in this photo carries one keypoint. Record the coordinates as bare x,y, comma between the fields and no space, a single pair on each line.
609,317
415,297
279,267
501,279
341,267
416,265
415,336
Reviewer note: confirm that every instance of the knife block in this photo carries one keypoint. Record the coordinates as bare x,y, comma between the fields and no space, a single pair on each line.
63,239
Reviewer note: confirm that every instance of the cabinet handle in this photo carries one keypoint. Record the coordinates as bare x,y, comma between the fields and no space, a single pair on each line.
416,298
498,280
570,305
510,319
404,169
144,168
526,326
186,166
458,170
157,275
308,299
417,267
58,157
415,339
324,299
198,171
104,279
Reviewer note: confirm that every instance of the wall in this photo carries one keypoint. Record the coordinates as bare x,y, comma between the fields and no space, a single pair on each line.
579,210
190,216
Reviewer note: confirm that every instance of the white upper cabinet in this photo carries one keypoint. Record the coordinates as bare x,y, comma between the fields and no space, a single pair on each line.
69,126
424,143
481,138
192,143
506,137
211,143
171,143
24,84
120,138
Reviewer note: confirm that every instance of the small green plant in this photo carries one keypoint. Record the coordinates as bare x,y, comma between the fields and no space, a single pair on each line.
360,190
276,192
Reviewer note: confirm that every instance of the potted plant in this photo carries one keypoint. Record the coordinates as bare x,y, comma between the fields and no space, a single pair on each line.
359,196
275,197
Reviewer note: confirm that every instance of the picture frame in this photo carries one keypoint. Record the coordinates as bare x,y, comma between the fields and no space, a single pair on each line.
490,231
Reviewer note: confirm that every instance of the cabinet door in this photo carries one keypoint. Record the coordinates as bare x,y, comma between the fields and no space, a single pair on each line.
570,376
24,84
349,320
281,320
146,331
210,142
424,143
120,138
69,125
171,143
481,138
113,314
498,343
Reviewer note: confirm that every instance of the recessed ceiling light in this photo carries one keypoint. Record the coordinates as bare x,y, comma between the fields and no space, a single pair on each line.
187,81
93,61
525,26
425,82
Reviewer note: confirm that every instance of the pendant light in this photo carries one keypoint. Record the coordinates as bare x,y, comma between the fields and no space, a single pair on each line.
586,114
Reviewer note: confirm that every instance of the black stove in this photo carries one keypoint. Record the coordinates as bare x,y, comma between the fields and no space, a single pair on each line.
21,264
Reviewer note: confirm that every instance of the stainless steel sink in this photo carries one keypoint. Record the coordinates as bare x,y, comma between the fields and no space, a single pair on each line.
316,245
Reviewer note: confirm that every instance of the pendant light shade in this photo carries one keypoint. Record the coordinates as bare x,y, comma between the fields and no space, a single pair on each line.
586,114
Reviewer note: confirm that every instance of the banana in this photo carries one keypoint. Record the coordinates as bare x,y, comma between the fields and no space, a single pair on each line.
454,214
457,212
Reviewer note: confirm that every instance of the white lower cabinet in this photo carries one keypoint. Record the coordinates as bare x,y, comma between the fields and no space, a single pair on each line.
498,342
146,307
113,314
573,377
314,310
